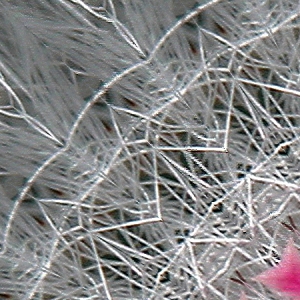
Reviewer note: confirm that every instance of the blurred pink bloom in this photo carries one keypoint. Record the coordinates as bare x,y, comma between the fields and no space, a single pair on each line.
285,277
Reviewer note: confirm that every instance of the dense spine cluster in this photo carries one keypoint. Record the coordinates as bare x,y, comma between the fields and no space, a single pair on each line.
149,149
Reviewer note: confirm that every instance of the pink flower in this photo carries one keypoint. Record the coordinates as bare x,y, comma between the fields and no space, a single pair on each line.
285,277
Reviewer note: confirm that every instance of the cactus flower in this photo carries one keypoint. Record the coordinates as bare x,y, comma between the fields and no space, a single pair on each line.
285,277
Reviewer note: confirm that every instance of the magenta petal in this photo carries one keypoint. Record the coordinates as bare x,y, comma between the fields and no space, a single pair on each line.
285,277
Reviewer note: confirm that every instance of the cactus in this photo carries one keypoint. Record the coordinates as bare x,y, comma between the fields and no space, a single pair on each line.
148,149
